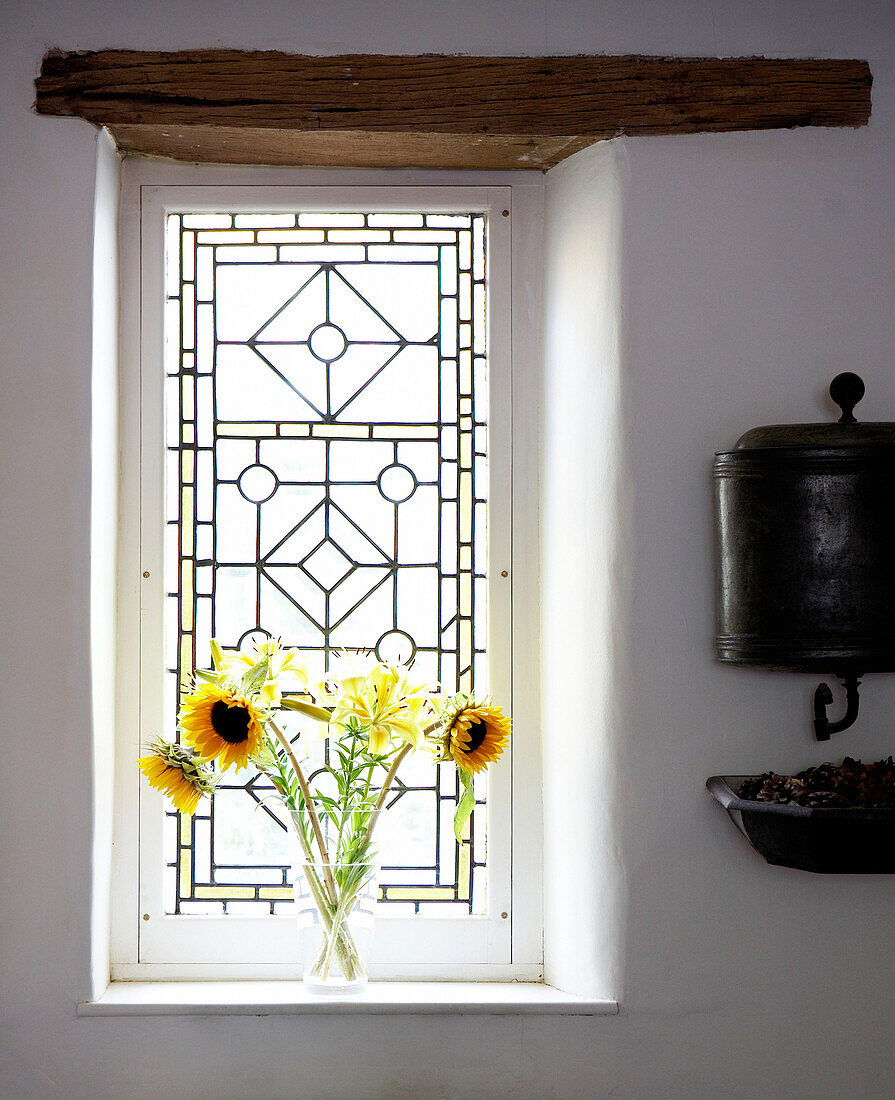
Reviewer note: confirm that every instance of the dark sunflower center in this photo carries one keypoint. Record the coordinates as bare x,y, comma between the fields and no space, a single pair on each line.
477,732
230,723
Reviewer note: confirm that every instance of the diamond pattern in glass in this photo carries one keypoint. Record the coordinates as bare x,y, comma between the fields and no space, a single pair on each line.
342,360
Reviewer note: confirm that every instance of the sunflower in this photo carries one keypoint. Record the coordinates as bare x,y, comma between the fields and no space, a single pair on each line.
177,772
476,735
222,725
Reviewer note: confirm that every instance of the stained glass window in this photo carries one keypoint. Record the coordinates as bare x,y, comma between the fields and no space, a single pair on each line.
326,482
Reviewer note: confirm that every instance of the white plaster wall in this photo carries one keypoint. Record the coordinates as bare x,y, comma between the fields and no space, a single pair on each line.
754,267
105,490
585,569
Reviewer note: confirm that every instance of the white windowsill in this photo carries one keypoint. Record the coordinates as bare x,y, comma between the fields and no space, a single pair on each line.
268,998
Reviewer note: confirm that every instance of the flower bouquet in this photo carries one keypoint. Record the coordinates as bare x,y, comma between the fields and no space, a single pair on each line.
372,715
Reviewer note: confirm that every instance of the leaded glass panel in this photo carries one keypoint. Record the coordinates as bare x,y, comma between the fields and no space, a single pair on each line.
326,482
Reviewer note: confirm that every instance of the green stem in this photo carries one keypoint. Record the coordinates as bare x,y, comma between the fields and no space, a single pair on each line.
345,795
334,937
314,885
337,938
347,951
309,805
366,793
332,904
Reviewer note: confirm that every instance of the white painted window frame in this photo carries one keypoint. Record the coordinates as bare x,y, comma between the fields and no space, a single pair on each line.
503,948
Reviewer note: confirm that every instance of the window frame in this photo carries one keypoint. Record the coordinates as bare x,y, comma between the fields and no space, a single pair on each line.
512,946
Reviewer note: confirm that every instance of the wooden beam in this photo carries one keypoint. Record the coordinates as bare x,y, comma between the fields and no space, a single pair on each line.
546,107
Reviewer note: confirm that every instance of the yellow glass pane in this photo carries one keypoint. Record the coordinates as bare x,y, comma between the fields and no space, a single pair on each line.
187,525
276,893
187,466
463,880
295,429
418,893
466,450
186,654
340,431
464,656
238,892
186,829
465,594
186,596
186,866
466,507
405,431
465,641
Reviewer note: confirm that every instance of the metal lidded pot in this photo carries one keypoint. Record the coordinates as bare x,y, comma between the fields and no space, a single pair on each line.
806,550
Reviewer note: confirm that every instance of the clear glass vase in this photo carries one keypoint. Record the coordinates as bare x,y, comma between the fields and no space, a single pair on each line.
335,904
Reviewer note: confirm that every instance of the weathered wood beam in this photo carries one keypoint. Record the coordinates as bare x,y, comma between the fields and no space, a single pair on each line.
567,102
586,96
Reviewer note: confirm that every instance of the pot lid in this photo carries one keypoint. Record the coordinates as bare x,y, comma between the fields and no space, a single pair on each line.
846,390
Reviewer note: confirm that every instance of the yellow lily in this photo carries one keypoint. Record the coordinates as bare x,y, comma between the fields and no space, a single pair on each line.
286,668
386,704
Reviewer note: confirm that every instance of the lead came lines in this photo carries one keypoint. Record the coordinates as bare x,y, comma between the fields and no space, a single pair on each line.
364,494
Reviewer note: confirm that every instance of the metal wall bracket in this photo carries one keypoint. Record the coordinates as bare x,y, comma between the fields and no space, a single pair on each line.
823,697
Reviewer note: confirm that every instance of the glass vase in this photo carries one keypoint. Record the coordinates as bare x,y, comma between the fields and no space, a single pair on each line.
335,904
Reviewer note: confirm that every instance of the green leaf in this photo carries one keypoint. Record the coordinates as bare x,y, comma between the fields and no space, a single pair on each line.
264,758
464,806
257,674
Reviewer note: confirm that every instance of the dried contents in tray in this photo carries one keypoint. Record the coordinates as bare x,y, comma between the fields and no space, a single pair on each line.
851,783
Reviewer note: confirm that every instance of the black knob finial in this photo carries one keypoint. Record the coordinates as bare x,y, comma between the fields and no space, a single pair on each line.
847,390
